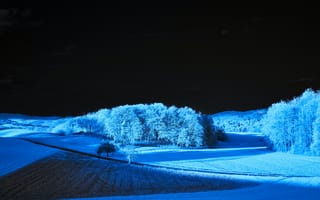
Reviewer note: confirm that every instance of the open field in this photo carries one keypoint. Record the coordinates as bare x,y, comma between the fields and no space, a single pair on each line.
70,175
49,166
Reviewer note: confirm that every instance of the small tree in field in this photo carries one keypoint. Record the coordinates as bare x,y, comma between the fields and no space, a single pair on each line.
106,148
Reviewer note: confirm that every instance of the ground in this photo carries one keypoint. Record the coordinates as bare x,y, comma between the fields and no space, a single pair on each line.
50,166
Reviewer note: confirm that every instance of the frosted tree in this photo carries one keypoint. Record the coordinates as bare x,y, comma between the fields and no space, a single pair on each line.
89,124
276,126
306,105
154,120
170,124
144,124
124,125
102,115
291,125
190,132
315,146
141,112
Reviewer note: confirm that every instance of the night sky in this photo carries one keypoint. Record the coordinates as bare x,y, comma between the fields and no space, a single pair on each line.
70,59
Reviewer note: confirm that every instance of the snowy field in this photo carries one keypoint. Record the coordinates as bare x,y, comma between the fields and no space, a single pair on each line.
241,168
16,153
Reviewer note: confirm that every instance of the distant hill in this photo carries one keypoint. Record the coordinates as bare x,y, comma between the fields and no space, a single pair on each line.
239,121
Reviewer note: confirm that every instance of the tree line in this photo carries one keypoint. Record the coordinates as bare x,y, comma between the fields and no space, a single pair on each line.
294,125
146,124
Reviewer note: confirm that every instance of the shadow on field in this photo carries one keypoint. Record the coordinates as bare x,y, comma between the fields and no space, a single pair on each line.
243,140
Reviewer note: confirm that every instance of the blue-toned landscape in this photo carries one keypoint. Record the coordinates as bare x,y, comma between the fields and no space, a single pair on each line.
159,100
156,151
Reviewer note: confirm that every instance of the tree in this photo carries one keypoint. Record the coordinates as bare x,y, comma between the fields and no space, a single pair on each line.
306,105
89,124
293,126
146,124
190,132
209,136
124,125
106,148
276,123
315,146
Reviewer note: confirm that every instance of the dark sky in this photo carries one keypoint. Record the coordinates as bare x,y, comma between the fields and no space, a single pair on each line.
69,59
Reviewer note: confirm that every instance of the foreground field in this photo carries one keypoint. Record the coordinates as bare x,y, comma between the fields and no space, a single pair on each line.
70,175
243,154
48,166
261,192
